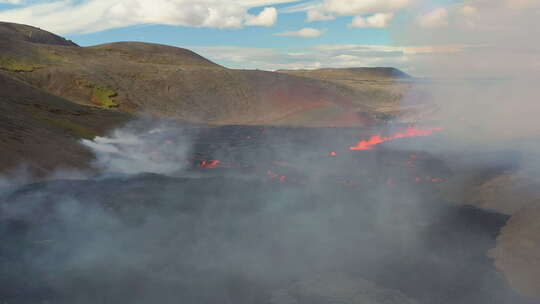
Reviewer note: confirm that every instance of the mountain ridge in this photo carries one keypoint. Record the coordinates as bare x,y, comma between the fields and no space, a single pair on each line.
15,31
177,83
365,73
47,81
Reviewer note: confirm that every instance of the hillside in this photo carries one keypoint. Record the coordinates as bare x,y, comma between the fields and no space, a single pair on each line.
41,131
21,32
176,83
383,89
53,93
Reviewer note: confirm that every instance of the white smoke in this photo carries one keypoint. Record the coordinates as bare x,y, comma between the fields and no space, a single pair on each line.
163,150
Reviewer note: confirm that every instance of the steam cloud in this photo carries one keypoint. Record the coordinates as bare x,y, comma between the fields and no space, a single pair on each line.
160,149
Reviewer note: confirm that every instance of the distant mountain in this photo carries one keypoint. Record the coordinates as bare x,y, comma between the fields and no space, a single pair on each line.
378,73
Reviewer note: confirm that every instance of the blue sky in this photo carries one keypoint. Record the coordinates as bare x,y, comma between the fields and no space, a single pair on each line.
268,34
336,32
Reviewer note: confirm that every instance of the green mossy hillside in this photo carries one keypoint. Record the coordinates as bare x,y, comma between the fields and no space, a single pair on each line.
14,65
102,96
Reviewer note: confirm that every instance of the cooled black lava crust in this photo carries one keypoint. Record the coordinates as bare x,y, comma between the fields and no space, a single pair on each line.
235,234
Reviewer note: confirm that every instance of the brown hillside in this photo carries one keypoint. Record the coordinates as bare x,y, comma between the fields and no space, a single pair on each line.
176,83
53,93
21,32
380,89
42,131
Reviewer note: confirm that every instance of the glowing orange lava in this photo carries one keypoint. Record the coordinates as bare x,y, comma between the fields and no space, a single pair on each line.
273,175
212,164
375,140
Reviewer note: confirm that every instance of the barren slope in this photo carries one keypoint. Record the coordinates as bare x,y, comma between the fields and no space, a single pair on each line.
380,89
177,83
53,93
42,131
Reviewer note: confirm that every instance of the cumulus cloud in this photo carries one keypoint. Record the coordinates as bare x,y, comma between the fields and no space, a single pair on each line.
306,32
381,11
267,17
436,18
380,20
69,16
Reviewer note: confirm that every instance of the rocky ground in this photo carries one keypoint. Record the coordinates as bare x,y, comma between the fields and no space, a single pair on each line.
517,193
238,232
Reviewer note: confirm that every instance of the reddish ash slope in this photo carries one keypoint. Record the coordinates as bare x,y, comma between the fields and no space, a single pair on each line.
375,140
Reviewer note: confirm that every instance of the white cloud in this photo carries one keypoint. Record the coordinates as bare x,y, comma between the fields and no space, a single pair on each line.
306,32
70,16
12,1
478,15
380,20
436,18
381,10
318,15
302,7
267,17
521,4
505,47
469,10
360,7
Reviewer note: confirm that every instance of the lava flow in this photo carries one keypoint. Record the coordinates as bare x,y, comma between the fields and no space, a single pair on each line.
375,140
209,164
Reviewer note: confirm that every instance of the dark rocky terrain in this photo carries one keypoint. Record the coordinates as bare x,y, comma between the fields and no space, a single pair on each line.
356,227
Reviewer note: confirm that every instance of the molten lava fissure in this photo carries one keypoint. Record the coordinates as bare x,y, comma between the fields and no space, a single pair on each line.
296,168
375,140
429,179
212,164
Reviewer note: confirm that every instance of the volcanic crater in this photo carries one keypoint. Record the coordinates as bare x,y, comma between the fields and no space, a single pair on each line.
255,215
